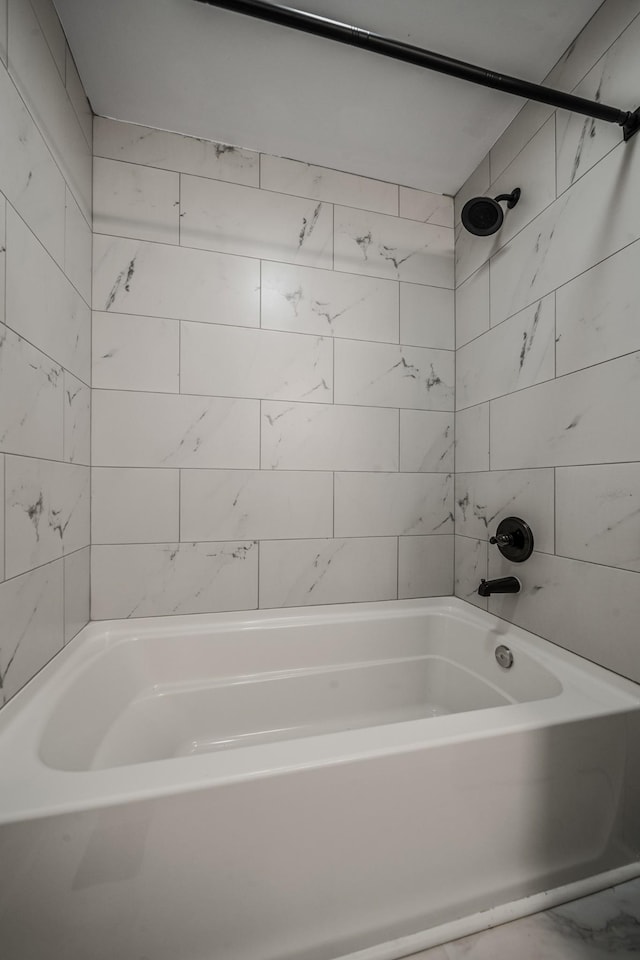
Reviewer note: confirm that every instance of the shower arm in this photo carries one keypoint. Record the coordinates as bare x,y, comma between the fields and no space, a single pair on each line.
357,37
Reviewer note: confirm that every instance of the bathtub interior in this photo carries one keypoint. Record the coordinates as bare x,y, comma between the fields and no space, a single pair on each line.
143,698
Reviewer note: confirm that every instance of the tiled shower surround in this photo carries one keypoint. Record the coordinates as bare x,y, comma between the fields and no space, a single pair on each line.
548,361
45,342
273,364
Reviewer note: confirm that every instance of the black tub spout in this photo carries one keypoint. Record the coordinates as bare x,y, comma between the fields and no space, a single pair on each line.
502,585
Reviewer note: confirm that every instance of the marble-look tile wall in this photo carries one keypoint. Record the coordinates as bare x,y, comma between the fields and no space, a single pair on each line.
548,360
45,342
273,373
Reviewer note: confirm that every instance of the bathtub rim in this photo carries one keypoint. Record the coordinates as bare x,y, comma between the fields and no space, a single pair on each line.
34,790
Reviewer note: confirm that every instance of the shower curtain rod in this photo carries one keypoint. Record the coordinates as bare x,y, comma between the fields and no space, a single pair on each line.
357,37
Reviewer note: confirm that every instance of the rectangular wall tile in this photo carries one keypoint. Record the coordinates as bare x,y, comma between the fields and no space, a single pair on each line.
473,306
254,223
476,185
597,313
50,313
76,421
518,134
386,375
168,430
254,504
516,354
77,592
36,76
426,441
393,504
563,600
564,424
156,280
427,316
307,300
471,566
138,580
77,248
32,617
136,353
78,97
134,505
31,400
3,31
303,436
383,246
427,207
302,572
2,508
425,567
322,183
52,30
130,200
484,499
31,180
598,514
3,254
173,151
231,362
46,509
472,438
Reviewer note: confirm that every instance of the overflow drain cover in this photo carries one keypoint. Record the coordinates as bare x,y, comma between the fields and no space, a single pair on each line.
504,656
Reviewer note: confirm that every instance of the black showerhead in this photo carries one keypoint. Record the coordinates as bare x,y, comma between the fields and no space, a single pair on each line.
483,216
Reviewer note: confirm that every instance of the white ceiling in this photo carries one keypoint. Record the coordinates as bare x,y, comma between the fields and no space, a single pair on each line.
180,65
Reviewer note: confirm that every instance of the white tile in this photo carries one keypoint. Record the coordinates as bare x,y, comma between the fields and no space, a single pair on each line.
427,316
152,580
1,517
533,170
31,180
46,511
565,426
386,375
473,306
517,135
3,254
234,219
173,151
323,183
472,438
232,362
470,568
425,567
597,217
598,514
484,499
76,420
516,354
52,30
130,200
135,506
305,436
157,280
426,441
135,353
306,300
424,206
254,504
596,314
31,400
77,248
3,31
32,617
169,430
562,600
301,572
36,75
50,313
477,185
382,246
393,504
78,98
77,592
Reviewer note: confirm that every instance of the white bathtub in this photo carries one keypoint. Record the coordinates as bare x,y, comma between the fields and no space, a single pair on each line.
305,785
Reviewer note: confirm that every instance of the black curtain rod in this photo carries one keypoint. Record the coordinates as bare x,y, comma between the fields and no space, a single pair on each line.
356,37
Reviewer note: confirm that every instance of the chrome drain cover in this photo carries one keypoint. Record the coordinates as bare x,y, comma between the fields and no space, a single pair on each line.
504,657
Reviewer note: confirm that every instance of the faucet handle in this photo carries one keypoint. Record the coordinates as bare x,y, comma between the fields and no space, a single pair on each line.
514,539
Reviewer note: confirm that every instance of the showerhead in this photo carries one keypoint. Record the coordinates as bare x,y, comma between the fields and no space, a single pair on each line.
483,216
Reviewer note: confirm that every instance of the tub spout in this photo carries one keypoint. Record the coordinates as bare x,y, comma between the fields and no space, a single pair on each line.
502,585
